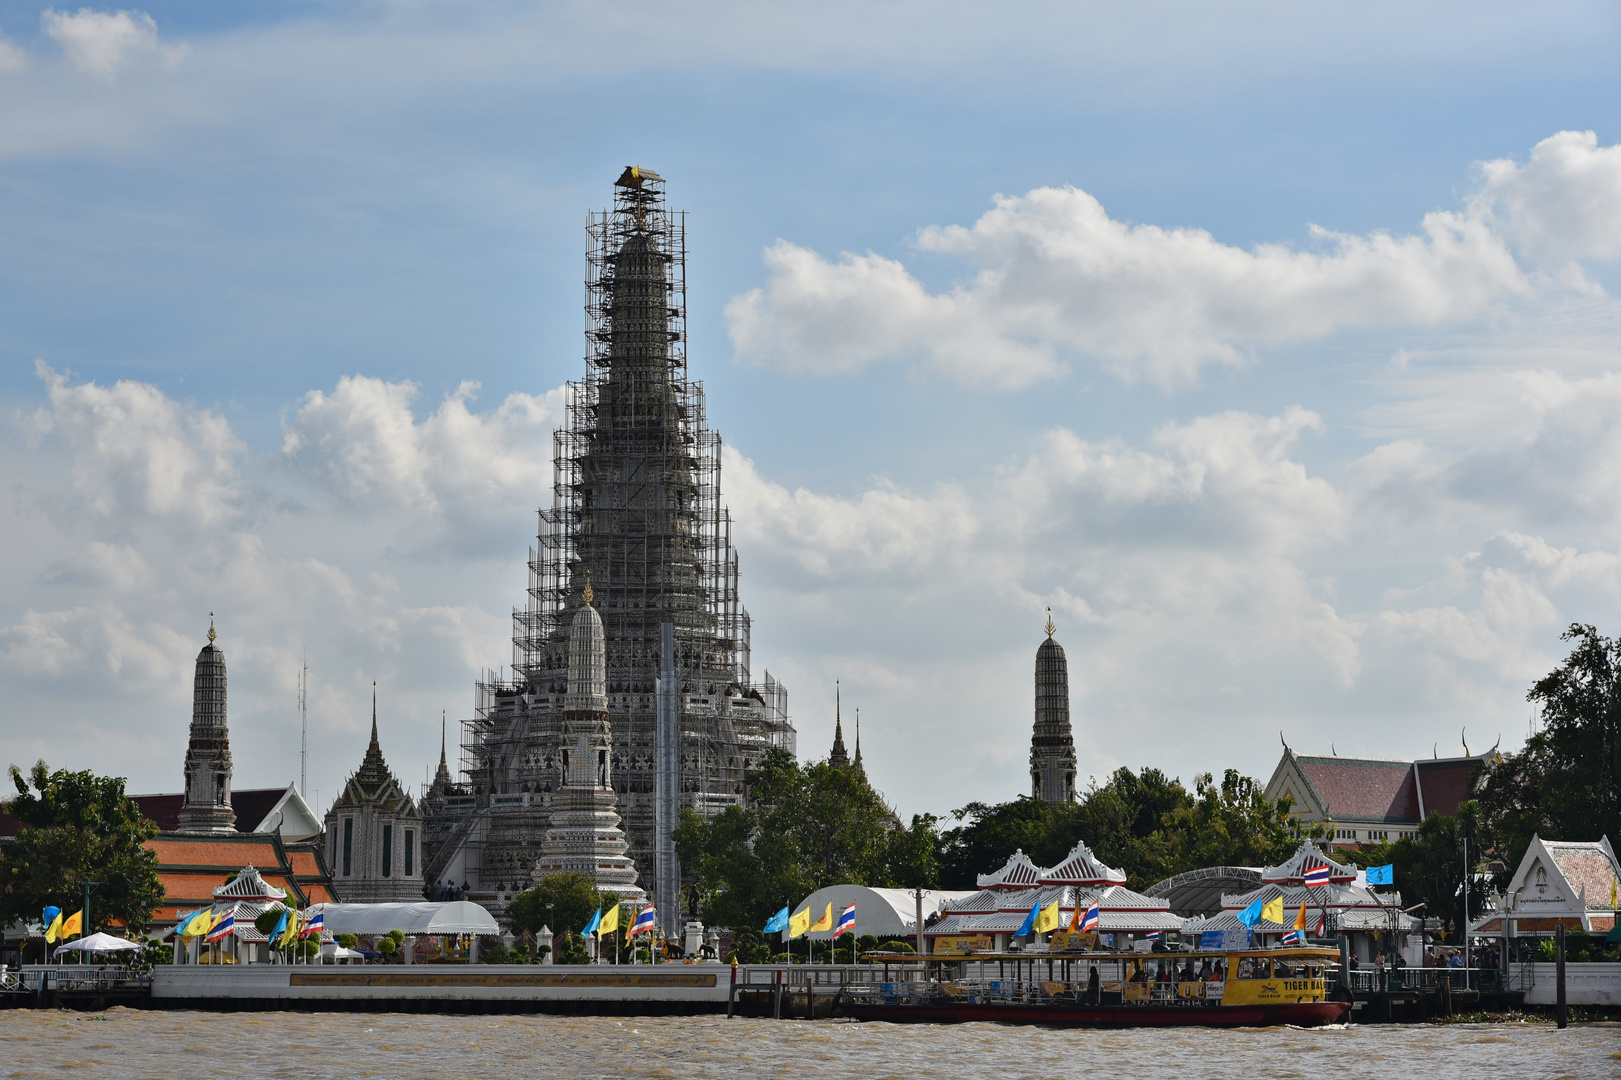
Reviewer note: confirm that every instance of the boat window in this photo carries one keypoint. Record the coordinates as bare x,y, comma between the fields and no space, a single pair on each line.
1254,967
1281,969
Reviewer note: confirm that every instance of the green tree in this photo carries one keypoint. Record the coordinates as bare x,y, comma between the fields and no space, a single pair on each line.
803,827
561,901
1121,821
1429,866
77,827
1581,716
1232,823
1565,784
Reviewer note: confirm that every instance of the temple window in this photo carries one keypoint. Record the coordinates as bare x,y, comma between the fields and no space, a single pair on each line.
348,844
388,851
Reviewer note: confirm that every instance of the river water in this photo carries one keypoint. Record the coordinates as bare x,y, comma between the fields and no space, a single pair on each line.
315,1046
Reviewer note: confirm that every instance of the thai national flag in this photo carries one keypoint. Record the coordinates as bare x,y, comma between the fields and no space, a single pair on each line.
1090,923
1322,920
1295,937
315,926
645,921
1154,936
225,927
847,921
1318,875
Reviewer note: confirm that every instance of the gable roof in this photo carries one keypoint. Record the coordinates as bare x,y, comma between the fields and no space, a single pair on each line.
258,810
1375,790
1017,873
1082,868
1307,855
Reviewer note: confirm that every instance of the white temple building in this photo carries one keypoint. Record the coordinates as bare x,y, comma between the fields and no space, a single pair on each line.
374,833
585,837
1005,897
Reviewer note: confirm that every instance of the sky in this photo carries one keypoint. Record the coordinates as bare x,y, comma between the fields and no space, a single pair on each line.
1273,346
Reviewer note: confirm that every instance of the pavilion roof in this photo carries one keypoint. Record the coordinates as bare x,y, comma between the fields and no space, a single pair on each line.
1017,873
1081,867
1305,857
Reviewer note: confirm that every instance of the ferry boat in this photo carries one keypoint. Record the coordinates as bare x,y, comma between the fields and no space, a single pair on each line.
1239,988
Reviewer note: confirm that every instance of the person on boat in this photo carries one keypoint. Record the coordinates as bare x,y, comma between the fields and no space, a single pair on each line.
1187,971
1205,970
1093,986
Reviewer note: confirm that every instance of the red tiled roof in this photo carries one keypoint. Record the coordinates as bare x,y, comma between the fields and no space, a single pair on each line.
1364,788
1446,784
234,854
250,805
303,862
1585,866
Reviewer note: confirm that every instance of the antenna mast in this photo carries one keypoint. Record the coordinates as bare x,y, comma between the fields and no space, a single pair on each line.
303,729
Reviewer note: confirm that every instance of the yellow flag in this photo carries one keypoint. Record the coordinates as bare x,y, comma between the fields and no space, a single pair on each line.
610,920
1300,918
289,935
73,926
54,931
826,921
1047,918
1272,910
196,926
798,924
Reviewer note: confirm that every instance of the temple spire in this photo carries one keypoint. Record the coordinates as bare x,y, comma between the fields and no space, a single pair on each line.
839,755
374,745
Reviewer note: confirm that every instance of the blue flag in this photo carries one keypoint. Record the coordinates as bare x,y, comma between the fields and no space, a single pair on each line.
591,927
1029,923
50,915
1251,915
1381,875
778,923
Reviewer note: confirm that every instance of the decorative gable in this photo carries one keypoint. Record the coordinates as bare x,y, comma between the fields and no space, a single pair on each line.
1018,873
1081,867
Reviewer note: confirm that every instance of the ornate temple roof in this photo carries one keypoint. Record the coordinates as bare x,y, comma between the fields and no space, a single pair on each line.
1306,856
1081,867
373,784
248,885
1018,873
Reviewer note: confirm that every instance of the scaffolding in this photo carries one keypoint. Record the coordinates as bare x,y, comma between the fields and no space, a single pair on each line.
637,514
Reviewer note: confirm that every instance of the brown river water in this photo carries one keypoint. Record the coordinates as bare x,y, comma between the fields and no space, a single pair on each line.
314,1046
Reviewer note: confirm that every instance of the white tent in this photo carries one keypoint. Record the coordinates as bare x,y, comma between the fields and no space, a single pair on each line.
884,913
453,917
98,943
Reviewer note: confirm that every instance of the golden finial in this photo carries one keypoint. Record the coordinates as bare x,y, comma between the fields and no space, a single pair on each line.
211,628
1050,627
589,595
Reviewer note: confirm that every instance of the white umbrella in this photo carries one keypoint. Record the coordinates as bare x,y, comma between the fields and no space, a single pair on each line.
97,943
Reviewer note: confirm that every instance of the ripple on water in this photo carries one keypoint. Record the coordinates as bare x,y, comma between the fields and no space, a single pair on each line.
125,1043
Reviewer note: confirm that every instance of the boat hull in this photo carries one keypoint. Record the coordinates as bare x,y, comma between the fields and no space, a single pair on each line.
1298,1014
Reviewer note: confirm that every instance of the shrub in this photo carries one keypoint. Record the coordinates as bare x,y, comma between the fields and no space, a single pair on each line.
349,941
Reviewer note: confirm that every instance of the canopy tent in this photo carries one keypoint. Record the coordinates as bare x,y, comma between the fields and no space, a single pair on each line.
98,943
453,917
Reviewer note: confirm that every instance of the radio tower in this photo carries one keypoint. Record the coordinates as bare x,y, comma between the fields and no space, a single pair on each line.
303,729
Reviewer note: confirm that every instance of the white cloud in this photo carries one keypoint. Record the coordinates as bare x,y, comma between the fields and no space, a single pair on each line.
1564,204
1057,277
364,443
135,451
100,43
12,56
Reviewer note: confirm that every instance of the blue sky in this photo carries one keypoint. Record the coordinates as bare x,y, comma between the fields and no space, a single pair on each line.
1283,370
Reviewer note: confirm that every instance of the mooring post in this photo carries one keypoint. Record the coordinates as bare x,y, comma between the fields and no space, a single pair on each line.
1559,970
731,991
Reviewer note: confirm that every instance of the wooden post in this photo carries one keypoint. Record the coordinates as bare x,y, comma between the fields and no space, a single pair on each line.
731,992
1559,971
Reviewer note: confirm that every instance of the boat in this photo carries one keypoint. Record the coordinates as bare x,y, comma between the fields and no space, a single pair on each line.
1230,988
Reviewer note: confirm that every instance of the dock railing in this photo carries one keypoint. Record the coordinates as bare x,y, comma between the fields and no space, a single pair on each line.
1372,980
37,977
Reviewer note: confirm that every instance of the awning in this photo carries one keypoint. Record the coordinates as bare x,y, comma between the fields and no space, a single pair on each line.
98,943
452,917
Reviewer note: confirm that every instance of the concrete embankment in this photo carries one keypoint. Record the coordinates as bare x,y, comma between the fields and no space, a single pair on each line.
675,989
